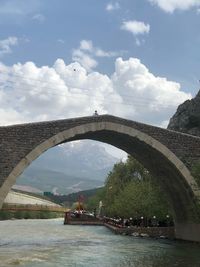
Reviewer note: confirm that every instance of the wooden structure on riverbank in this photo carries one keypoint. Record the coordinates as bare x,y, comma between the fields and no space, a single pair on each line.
81,219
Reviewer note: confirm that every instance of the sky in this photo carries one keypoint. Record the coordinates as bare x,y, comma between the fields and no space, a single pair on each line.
137,59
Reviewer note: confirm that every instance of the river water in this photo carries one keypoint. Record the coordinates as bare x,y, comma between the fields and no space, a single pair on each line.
49,243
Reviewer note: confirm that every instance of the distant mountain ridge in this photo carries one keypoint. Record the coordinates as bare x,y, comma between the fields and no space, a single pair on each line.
69,168
56,182
80,159
69,199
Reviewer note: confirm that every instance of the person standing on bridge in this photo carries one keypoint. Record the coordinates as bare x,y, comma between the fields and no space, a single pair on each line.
95,113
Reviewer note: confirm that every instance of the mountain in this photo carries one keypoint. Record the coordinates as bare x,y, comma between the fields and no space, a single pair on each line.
27,188
68,200
86,159
187,117
56,182
69,168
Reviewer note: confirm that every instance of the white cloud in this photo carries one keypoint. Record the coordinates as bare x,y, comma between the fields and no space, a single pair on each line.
138,42
135,27
171,5
5,45
86,53
86,45
101,53
84,59
10,116
39,17
112,6
61,41
31,93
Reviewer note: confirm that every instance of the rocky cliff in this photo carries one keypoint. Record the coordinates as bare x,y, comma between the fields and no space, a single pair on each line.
187,117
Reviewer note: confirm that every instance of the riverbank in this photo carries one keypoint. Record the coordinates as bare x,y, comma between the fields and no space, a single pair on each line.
29,211
154,232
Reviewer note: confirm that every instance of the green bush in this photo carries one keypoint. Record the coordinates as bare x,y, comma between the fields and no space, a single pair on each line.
6,215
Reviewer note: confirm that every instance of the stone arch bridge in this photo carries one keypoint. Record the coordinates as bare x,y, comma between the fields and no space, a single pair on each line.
167,154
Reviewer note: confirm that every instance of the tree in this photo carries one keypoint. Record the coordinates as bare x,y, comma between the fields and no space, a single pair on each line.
130,192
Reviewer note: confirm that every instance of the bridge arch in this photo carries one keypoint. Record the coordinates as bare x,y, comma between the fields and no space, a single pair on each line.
169,171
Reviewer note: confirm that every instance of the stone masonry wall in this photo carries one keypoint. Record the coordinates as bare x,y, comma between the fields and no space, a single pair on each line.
18,140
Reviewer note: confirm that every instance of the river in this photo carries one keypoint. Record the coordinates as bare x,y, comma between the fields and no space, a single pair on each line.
49,243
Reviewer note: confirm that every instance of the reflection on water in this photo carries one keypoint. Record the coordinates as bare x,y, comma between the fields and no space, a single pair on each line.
49,243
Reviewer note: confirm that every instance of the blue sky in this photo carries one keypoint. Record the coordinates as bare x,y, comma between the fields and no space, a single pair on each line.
136,59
